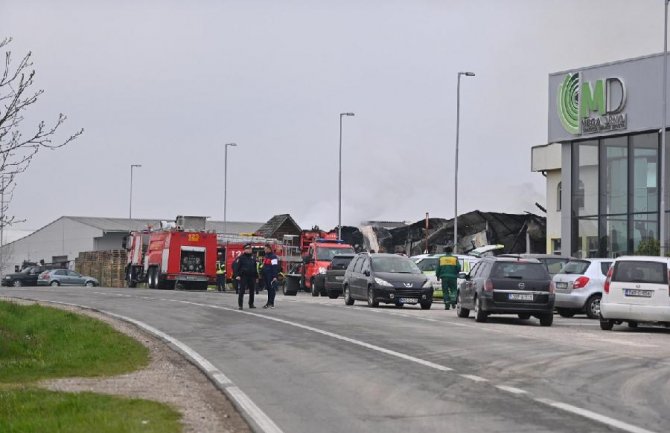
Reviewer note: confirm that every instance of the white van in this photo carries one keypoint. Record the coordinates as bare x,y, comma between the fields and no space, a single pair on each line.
636,290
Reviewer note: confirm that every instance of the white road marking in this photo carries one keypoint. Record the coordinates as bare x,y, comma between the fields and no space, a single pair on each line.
594,416
511,389
475,378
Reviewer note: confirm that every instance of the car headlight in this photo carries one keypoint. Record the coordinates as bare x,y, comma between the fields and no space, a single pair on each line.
428,284
8,278
382,283
322,270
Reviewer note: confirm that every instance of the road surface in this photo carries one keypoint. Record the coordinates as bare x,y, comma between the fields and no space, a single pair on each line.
316,365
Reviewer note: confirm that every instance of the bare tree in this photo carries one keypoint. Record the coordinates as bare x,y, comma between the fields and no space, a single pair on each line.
17,146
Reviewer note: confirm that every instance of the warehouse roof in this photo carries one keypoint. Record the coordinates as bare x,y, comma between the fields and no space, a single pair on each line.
109,225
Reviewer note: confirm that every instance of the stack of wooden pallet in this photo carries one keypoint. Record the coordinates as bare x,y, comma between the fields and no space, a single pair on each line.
107,266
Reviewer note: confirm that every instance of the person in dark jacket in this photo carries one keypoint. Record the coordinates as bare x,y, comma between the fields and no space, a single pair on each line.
246,273
270,273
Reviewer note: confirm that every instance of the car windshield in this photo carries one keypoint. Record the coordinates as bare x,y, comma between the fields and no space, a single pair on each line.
395,264
427,264
640,272
341,263
325,254
520,270
575,267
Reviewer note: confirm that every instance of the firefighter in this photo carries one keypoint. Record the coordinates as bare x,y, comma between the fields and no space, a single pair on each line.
220,276
270,275
259,268
246,273
447,271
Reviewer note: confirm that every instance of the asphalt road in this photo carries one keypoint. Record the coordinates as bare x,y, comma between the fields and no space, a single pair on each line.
316,365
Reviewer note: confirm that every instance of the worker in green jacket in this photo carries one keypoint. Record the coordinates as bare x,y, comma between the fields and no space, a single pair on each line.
447,270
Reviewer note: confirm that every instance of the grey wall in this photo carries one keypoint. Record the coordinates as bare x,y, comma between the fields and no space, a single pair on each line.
109,241
643,80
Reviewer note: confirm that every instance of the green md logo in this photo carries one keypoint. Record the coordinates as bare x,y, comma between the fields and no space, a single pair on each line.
587,108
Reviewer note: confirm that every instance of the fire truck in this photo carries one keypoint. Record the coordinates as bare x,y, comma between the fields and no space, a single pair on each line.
179,256
231,247
317,249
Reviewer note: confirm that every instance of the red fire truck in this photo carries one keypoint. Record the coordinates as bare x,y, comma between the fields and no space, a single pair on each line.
317,249
233,247
172,258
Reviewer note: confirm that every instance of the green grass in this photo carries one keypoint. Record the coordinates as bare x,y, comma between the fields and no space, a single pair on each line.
40,343
35,410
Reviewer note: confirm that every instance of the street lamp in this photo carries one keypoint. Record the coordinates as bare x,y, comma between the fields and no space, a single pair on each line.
225,184
339,180
130,207
458,120
662,222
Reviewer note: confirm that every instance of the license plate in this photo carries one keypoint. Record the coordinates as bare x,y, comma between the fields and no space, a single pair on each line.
636,293
520,296
338,278
561,285
408,300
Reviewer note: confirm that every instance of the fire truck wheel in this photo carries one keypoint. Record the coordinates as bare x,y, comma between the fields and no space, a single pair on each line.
315,291
151,278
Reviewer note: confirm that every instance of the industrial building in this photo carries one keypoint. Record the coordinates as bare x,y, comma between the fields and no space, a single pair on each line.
602,163
62,240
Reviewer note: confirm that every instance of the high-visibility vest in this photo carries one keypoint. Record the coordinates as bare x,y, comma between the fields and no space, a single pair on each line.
220,268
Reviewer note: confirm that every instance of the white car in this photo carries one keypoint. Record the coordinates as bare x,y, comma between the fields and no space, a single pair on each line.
428,264
579,287
636,290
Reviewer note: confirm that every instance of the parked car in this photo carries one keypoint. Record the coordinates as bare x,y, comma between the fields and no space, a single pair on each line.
428,264
505,285
579,287
334,276
65,277
552,262
27,277
387,278
636,290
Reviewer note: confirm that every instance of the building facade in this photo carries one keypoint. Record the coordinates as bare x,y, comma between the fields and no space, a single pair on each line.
603,160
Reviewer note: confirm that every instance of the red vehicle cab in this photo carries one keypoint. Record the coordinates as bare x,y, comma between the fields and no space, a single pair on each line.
319,255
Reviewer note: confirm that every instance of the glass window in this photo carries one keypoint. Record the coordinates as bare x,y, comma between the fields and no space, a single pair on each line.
327,254
358,265
645,232
428,264
554,266
605,267
556,246
520,270
585,178
559,195
640,272
645,172
585,237
614,241
614,176
394,264
575,267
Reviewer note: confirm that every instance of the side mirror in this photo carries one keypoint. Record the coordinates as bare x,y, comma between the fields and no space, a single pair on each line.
463,276
366,273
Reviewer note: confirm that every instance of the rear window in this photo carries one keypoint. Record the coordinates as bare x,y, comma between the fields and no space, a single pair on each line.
519,270
575,267
554,266
605,267
640,272
340,263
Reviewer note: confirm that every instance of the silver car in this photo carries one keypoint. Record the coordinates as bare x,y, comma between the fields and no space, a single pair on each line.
579,287
65,277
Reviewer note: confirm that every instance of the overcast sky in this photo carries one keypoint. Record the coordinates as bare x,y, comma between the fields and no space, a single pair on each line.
166,83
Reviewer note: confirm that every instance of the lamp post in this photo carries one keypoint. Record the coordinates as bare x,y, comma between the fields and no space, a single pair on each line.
339,182
458,120
130,207
225,185
662,222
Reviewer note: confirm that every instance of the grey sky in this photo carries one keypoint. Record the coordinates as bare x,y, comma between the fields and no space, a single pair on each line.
166,83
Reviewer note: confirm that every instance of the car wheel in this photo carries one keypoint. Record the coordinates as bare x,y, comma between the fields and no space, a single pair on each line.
480,315
89,284
593,307
425,305
315,292
460,310
632,325
348,300
606,325
333,295
371,298
17,283
547,319
565,313
54,284
524,316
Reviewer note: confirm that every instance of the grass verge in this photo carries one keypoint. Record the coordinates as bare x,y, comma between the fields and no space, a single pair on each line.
41,343
37,410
